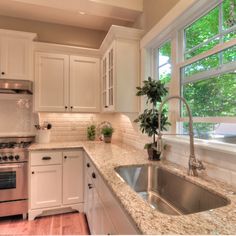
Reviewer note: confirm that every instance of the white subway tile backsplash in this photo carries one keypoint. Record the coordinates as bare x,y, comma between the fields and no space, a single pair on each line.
72,127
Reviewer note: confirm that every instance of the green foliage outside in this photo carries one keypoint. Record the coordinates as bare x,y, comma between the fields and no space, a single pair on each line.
216,95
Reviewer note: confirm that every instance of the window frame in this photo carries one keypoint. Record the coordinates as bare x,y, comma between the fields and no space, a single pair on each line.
176,35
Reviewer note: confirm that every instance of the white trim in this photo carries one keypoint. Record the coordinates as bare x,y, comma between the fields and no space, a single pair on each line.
219,47
205,75
209,119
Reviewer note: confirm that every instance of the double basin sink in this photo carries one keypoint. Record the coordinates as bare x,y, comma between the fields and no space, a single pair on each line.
169,193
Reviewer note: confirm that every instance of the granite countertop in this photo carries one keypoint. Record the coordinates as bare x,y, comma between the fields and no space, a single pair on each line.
148,220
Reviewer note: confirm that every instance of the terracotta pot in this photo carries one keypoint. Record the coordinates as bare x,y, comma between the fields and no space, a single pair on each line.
107,139
153,155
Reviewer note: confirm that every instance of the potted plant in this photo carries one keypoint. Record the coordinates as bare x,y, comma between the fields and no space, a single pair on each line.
154,90
91,132
107,132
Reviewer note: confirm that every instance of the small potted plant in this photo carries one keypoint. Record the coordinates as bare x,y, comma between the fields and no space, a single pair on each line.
107,132
154,90
91,132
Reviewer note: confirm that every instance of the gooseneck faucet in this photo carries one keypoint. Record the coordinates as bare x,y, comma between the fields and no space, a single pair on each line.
193,163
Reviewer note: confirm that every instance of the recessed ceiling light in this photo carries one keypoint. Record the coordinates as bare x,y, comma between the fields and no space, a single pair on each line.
81,12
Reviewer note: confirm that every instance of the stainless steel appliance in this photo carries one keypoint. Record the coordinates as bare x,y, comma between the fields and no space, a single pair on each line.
16,86
13,175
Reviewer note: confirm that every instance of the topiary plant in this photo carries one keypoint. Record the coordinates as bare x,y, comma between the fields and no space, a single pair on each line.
154,90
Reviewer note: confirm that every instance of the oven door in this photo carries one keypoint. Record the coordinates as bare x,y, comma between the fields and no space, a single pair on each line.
13,181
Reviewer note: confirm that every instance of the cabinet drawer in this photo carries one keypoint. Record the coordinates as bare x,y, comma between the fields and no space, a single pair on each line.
45,158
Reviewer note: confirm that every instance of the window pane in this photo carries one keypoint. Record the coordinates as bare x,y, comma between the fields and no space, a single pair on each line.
229,55
229,14
203,48
225,132
203,29
229,36
212,97
164,54
165,73
202,65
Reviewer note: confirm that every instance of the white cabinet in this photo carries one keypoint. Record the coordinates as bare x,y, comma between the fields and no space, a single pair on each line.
65,83
104,214
46,186
120,69
84,84
56,182
73,177
51,82
15,55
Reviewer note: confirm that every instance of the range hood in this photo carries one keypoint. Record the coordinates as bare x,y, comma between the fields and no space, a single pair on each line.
11,86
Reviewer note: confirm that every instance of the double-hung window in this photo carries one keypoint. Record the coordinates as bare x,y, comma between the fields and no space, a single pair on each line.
208,73
163,58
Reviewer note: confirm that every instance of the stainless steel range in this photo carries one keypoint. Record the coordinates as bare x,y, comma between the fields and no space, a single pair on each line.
13,175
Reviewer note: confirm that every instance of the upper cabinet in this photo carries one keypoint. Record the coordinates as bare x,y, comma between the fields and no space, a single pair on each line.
16,55
66,83
120,69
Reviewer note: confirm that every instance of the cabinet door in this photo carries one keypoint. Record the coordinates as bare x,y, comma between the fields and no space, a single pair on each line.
108,80
46,186
84,84
51,82
73,177
15,56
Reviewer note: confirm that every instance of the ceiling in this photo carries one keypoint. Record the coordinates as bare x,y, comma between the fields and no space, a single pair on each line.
93,14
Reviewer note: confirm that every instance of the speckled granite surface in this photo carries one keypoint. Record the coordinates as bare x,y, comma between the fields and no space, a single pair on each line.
149,221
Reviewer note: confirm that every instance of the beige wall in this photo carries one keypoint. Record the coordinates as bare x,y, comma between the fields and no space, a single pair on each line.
55,33
153,11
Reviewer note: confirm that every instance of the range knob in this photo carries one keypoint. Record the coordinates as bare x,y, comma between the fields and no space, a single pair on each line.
4,158
17,157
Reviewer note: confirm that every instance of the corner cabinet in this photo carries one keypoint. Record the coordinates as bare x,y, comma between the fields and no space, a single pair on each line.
56,182
120,69
16,55
66,83
104,214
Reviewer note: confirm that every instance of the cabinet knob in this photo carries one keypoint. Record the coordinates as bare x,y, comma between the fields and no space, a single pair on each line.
66,107
65,157
90,186
88,165
32,172
71,107
106,106
94,175
3,73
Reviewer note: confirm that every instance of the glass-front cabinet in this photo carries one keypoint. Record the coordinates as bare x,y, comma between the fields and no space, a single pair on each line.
108,81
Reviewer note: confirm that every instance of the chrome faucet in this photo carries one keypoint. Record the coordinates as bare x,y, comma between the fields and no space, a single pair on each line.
193,164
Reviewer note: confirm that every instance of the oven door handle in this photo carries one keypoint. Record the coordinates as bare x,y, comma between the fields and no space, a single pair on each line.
10,166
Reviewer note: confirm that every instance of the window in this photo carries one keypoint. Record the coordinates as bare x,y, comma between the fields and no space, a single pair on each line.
163,58
218,25
208,83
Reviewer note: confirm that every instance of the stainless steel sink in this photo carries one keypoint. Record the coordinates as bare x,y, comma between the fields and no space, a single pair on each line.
169,193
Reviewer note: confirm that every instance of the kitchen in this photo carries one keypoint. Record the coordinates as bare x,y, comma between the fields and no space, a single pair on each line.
77,108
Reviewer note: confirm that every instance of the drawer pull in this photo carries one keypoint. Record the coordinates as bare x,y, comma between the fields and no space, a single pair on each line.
46,158
94,175
88,165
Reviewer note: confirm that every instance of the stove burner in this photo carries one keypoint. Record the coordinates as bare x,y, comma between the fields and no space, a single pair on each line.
14,145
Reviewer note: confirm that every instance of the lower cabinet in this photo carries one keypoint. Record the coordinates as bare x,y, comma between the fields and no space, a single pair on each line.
104,214
56,182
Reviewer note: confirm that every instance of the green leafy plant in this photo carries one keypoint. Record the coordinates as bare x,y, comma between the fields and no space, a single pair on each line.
91,132
154,90
107,131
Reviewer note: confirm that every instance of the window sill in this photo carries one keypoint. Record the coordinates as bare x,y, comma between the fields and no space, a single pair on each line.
211,145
